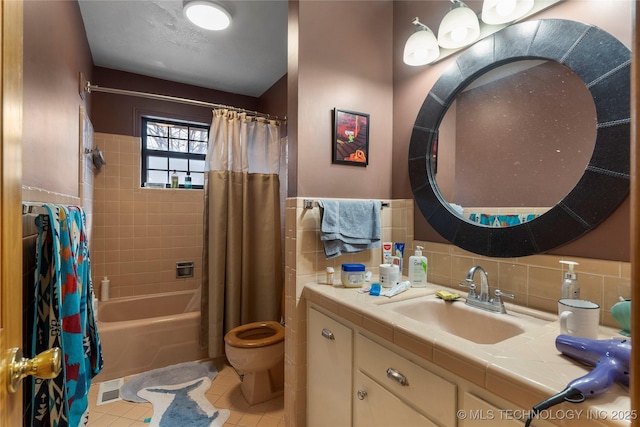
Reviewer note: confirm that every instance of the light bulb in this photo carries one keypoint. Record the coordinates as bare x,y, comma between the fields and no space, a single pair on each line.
459,34
421,48
207,15
458,28
497,12
505,7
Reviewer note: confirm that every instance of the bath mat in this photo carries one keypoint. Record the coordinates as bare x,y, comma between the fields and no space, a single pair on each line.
170,375
184,405
177,394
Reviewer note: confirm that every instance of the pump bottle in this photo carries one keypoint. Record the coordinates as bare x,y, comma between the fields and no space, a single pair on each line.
570,286
418,269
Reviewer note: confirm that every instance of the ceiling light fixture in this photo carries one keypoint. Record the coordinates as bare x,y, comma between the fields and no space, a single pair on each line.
459,27
421,47
206,14
496,12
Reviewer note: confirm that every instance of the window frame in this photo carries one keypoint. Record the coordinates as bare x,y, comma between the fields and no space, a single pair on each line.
145,152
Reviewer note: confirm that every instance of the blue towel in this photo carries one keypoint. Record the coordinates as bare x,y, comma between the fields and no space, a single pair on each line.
349,226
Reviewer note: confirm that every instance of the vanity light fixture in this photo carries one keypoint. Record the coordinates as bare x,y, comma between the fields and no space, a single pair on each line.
421,47
459,27
207,14
496,12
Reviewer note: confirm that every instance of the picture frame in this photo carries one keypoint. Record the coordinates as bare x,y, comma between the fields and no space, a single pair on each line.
350,144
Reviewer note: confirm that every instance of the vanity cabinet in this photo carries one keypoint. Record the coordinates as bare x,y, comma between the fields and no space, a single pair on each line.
357,379
329,371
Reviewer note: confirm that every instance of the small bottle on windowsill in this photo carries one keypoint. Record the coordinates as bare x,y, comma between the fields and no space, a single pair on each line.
187,181
174,180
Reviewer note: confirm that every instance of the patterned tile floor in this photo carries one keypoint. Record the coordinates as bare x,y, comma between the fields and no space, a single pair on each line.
224,393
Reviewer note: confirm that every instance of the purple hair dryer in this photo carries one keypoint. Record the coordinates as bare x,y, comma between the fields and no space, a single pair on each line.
610,358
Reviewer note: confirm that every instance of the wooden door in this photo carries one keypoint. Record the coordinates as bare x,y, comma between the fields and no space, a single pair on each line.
10,201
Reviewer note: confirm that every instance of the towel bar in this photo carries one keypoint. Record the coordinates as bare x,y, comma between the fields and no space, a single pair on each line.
310,204
33,208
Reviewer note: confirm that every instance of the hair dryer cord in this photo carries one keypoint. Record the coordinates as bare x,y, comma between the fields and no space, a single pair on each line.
569,394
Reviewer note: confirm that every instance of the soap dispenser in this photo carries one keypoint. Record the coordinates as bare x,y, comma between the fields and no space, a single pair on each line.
418,269
570,286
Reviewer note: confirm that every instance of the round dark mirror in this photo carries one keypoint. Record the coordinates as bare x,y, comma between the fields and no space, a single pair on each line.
602,64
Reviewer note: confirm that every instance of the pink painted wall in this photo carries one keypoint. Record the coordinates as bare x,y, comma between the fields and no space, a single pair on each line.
343,51
55,52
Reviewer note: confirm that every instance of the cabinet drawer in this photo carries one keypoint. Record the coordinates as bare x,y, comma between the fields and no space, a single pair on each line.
374,406
329,371
478,412
431,394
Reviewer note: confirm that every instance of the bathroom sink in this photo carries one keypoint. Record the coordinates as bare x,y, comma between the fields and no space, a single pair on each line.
459,319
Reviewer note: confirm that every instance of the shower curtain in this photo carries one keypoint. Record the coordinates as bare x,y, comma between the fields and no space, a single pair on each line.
242,272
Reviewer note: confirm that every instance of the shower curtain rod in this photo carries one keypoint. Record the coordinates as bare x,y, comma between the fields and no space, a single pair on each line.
88,87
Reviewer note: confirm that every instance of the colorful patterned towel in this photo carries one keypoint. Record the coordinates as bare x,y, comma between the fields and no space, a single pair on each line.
501,220
64,318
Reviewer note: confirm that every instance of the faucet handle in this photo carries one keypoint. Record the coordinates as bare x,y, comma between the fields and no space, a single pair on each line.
472,288
498,294
497,300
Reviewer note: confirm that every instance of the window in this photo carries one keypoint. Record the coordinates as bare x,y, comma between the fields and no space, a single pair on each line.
169,146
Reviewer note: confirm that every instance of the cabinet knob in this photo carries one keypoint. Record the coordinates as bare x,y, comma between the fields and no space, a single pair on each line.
328,334
361,394
397,376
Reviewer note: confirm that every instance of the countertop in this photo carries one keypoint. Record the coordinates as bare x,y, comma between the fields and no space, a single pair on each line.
524,369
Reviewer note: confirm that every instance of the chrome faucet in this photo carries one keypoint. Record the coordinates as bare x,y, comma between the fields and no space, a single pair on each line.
483,300
484,282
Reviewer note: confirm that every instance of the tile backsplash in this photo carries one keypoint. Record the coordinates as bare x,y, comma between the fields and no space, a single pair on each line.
534,280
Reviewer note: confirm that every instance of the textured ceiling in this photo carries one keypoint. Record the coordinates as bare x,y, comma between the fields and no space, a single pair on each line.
153,38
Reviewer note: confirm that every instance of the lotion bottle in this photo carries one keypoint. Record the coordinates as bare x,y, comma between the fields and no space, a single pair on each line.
104,289
418,269
570,286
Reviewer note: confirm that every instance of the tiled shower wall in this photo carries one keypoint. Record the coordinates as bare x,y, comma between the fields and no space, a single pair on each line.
139,234
535,280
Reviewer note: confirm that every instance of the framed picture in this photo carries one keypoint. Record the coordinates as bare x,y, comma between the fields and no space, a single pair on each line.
350,137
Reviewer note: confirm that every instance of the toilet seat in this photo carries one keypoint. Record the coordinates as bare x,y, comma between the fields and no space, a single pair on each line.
256,334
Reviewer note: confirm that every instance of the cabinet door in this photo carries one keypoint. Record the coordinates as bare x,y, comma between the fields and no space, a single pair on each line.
374,406
329,371
477,412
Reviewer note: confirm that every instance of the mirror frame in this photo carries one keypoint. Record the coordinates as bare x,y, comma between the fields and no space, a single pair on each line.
604,65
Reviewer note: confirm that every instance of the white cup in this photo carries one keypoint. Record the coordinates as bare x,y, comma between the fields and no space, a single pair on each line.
579,318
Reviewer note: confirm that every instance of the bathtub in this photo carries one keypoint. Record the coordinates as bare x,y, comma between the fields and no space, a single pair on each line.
142,333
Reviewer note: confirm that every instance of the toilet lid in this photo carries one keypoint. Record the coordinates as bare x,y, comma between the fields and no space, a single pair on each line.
241,336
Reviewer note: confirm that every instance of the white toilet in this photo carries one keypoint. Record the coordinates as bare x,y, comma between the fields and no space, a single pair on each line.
257,351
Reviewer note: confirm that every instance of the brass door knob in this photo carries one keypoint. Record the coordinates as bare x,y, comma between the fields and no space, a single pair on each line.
45,365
